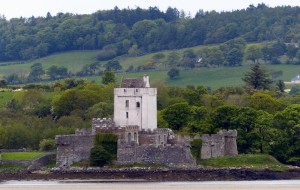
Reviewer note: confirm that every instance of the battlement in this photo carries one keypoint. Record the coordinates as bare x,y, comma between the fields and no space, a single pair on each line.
217,145
132,128
83,132
228,133
103,122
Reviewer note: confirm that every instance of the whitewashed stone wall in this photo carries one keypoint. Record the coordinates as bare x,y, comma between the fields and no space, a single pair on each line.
140,109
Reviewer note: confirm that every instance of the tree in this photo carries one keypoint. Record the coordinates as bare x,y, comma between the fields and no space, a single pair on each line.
36,72
280,86
286,145
75,99
257,78
234,57
13,79
113,65
99,156
173,58
100,110
3,83
262,101
173,73
188,59
109,77
253,53
177,115
55,72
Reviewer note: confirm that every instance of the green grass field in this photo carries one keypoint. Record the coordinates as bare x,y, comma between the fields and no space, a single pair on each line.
4,97
254,161
21,155
211,77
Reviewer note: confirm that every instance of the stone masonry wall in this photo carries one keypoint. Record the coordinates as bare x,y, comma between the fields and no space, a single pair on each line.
73,148
159,146
217,145
152,147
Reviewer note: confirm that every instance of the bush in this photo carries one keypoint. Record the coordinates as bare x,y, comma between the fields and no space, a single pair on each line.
196,146
105,149
47,145
108,142
99,156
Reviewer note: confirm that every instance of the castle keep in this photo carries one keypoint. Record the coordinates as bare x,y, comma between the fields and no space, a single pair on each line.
139,139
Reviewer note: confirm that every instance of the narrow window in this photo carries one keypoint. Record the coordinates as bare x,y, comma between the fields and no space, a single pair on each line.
136,90
127,115
127,103
124,90
138,104
129,137
135,136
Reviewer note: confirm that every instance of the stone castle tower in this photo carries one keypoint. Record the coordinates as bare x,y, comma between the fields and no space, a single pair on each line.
135,104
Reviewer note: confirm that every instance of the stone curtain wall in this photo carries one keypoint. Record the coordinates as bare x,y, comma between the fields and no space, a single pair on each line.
153,147
73,148
158,146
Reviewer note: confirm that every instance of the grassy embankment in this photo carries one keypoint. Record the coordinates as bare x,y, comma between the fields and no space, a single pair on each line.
252,161
21,155
18,156
4,97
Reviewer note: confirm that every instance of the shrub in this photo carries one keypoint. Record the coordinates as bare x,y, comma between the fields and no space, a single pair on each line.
105,149
47,145
196,146
99,156
108,142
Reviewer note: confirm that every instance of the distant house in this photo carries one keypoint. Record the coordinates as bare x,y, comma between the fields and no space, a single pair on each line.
296,45
296,79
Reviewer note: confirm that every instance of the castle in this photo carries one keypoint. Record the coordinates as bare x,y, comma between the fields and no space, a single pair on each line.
139,139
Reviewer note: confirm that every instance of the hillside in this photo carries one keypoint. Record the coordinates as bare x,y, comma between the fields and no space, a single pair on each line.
211,77
138,31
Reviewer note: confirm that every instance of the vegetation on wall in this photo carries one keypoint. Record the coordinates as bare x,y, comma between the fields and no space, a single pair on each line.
196,146
104,150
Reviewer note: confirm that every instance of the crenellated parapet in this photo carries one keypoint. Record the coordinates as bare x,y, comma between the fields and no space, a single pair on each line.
217,145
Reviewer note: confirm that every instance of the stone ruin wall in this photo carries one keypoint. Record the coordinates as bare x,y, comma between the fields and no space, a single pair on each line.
218,145
158,146
153,147
73,148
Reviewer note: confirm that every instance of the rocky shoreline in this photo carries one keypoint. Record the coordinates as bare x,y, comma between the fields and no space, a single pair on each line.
151,174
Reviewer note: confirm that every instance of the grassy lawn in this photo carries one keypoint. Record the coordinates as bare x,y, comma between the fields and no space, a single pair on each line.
4,97
254,161
11,167
21,155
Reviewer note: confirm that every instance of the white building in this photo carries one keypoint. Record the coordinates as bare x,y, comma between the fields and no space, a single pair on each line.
135,103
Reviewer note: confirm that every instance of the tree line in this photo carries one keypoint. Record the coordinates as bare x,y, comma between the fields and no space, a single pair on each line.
139,31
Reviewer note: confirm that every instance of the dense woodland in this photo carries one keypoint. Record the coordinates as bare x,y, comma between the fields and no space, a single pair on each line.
138,31
267,118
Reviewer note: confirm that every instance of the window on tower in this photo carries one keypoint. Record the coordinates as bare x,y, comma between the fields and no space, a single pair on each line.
138,104
127,103
127,115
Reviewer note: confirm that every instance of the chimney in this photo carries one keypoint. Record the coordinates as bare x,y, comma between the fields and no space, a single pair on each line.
146,81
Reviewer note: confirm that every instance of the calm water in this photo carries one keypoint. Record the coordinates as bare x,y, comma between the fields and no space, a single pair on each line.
91,185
